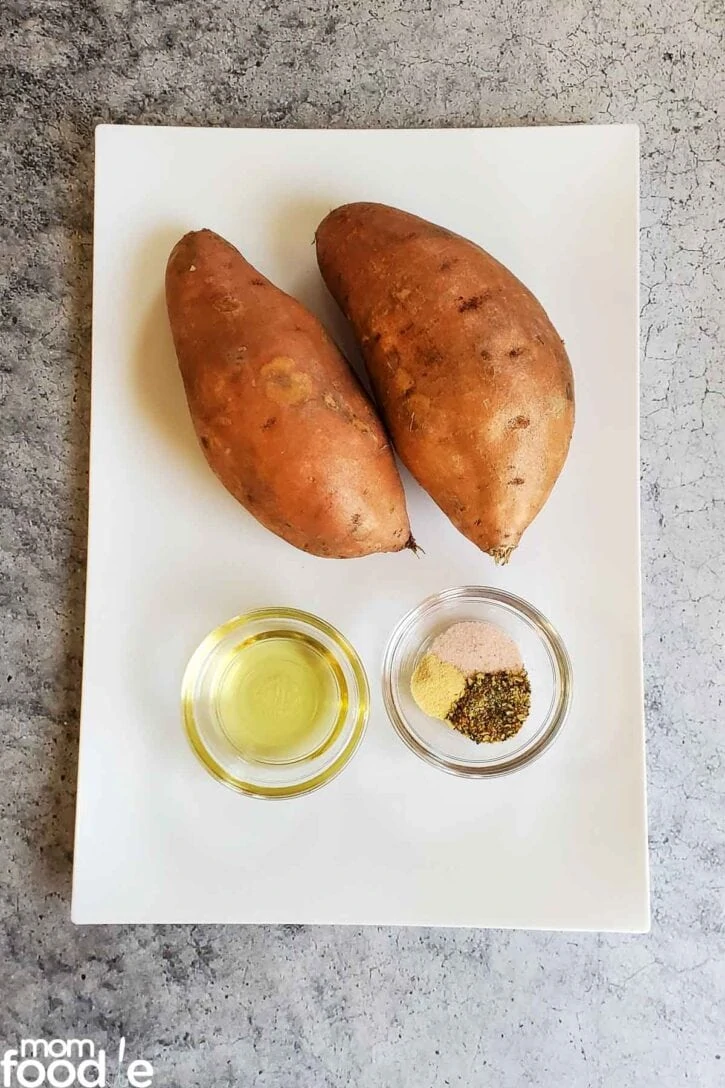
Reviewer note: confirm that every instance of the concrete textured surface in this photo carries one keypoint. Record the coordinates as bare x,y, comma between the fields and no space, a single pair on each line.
298,1007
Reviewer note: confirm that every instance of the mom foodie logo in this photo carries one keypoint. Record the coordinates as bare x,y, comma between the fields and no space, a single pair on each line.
62,1063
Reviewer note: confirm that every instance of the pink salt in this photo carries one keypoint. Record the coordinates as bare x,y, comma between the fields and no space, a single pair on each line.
477,647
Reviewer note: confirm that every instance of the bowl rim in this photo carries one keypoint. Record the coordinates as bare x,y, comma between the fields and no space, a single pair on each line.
212,766
554,646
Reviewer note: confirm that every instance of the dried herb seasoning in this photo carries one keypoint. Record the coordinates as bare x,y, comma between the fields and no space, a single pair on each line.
493,706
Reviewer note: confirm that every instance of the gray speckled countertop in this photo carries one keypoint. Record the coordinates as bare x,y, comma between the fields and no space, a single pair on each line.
292,1006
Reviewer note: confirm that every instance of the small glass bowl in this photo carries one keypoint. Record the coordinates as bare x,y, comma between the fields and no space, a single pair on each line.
303,771
545,659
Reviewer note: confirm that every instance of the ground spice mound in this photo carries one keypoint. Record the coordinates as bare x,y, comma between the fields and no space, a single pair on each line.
493,706
436,686
474,646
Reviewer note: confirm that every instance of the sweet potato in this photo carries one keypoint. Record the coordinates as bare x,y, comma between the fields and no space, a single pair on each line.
281,417
471,376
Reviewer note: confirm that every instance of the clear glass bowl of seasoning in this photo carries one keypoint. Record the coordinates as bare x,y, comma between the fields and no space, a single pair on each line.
275,702
491,671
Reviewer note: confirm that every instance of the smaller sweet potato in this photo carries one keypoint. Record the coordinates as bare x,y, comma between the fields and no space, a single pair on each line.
281,417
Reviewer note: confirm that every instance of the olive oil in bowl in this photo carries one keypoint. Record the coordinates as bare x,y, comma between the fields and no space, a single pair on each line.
280,696
275,702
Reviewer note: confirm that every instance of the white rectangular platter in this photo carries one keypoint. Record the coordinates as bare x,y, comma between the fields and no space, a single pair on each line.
560,845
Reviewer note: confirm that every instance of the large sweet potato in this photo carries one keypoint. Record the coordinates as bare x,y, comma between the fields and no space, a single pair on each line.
471,376
282,419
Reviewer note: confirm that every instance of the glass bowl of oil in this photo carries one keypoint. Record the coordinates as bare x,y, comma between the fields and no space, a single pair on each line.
275,702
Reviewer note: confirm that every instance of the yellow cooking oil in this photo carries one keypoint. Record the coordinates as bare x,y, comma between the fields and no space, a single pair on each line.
280,696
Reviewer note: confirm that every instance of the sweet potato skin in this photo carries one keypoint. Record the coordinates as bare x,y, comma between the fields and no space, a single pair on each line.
281,417
472,379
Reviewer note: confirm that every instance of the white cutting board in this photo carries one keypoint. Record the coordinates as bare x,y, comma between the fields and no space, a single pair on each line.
561,844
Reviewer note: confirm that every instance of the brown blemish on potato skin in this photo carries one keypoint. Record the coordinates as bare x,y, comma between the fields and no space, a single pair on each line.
468,304
517,481
404,382
227,304
391,356
344,410
361,426
238,355
418,406
430,356
519,422
285,383
268,423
